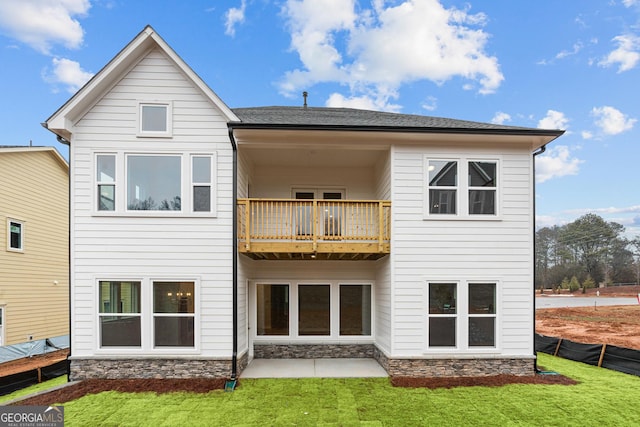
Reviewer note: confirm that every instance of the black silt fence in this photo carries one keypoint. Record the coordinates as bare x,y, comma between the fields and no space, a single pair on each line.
13,382
606,356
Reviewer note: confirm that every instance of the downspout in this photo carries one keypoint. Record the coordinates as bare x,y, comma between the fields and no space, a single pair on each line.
234,252
535,353
63,141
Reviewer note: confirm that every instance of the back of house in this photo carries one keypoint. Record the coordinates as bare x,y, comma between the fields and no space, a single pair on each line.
203,236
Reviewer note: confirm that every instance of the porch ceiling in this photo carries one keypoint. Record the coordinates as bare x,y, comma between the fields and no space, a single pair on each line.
312,157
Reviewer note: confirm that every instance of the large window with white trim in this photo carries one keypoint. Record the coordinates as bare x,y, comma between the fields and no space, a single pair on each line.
173,314
155,184
313,310
119,313
448,196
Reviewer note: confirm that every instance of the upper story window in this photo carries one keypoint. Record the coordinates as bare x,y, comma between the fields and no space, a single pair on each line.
154,184
15,233
449,197
155,119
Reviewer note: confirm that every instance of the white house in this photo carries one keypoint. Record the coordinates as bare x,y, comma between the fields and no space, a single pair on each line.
204,236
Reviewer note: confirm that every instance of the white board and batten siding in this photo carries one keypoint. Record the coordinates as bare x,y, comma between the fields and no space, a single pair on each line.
180,247
497,250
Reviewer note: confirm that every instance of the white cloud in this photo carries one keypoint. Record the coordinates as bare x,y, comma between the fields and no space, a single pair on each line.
382,48
500,118
629,3
626,55
68,73
234,16
556,162
577,47
44,23
611,120
430,104
553,120
586,134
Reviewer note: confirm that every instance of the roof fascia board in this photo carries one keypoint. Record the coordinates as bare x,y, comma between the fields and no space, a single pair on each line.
61,122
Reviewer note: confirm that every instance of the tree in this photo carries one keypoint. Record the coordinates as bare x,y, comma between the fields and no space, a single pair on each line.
574,285
588,284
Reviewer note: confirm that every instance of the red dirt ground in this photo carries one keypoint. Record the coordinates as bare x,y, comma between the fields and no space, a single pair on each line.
33,362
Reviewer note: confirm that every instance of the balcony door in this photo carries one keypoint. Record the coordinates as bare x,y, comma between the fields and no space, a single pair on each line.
329,214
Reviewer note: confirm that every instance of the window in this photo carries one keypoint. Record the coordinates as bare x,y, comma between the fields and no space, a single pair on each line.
314,310
201,182
482,188
119,314
15,232
272,309
482,315
174,314
462,315
155,119
447,197
106,181
442,314
355,309
153,183
443,181
320,311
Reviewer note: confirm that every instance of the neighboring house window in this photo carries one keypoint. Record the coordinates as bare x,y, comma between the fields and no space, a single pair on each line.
15,231
443,182
106,181
448,197
482,315
443,314
283,309
201,178
119,314
482,187
154,183
174,314
155,119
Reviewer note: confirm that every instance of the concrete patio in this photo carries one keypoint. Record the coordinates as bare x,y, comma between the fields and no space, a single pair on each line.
309,368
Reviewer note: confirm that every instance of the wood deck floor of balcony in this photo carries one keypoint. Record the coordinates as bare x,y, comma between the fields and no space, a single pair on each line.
336,251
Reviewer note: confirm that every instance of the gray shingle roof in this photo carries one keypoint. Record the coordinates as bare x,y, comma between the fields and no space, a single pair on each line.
354,118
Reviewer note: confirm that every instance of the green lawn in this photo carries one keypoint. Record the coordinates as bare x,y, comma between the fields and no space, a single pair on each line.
34,389
602,398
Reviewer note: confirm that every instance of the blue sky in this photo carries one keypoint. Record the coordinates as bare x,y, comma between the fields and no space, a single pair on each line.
573,65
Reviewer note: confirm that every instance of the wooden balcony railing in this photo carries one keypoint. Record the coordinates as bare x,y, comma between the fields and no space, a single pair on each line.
314,229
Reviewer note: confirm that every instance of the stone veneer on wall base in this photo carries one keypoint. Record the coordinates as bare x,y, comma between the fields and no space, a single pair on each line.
313,351
472,367
118,368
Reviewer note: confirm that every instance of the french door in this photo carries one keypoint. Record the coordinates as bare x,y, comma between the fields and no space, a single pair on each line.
330,214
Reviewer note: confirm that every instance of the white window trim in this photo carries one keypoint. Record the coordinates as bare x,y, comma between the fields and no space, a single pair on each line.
293,336
146,317
462,189
462,319
185,185
168,133
98,183
22,235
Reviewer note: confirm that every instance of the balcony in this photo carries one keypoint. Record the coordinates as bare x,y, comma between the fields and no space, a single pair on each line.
285,229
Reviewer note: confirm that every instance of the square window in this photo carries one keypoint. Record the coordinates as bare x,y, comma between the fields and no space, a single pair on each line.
155,119
154,183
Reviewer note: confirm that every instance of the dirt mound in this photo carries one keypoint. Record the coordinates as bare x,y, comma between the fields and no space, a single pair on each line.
615,325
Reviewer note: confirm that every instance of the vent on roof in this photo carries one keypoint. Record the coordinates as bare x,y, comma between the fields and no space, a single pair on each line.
304,96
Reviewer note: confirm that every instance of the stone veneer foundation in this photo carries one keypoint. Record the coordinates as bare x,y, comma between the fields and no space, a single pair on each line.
458,367
157,368
313,351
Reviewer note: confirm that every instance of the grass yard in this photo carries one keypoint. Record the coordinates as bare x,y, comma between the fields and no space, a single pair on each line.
46,385
603,397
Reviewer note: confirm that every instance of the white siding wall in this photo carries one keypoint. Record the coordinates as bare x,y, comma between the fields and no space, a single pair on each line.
107,247
461,249
383,274
276,182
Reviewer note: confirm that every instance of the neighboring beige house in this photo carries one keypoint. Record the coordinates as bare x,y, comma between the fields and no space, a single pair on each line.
34,252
